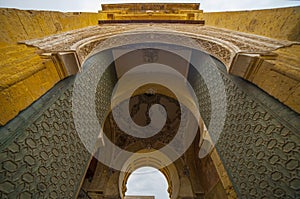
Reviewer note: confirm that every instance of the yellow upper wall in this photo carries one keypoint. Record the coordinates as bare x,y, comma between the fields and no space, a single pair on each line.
282,23
25,76
17,25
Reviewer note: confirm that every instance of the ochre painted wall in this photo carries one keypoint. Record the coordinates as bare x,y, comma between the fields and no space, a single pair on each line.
280,77
283,23
17,25
24,75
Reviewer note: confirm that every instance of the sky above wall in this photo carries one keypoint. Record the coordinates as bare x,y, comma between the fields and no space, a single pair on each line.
147,181
94,5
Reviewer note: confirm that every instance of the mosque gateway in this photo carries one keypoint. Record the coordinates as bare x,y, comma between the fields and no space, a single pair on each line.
209,100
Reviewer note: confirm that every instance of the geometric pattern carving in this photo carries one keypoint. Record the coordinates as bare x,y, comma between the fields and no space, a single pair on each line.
259,149
104,91
258,146
47,160
83,41
202,94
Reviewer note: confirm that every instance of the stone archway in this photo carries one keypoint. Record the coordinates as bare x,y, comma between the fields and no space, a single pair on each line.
246,118
256,127
252,57
180,185
170,172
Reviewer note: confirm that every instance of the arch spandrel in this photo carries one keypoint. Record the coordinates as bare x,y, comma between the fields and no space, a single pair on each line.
214,41
249,56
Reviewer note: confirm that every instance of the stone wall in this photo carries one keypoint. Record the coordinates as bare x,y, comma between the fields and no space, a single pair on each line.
281,23
259,142
17,25
24,75
223,175
41,154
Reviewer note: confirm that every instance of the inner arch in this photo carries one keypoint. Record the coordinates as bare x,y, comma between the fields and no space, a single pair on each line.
147,181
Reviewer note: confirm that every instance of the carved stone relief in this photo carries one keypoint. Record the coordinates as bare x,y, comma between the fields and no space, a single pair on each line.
221,43
42,155
258,146
46,159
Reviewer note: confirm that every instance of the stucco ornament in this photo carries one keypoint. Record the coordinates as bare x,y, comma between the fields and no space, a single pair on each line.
150,71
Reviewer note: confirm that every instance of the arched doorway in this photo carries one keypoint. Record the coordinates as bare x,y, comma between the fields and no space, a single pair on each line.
256,127
238,121
147,181
182,173
156,162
